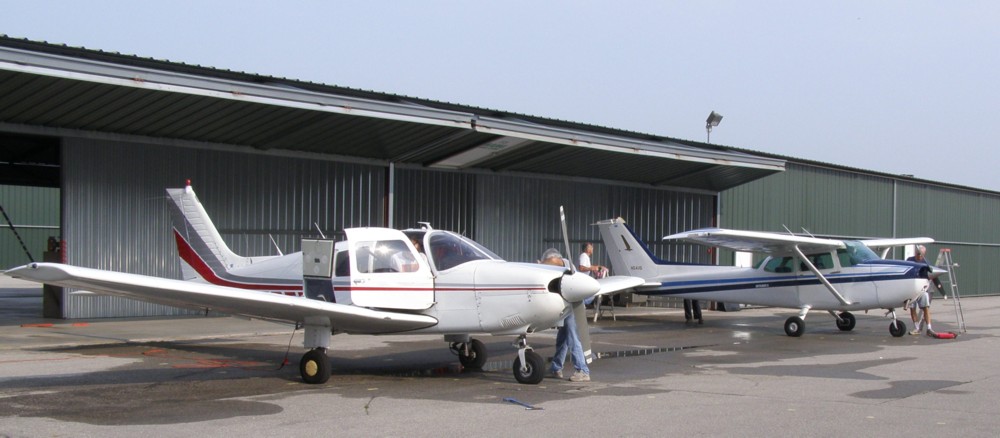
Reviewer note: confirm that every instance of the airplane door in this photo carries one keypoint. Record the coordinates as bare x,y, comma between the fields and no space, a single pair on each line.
811,290
387,272
856,284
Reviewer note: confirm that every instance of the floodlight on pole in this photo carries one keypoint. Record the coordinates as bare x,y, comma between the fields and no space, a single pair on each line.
713,120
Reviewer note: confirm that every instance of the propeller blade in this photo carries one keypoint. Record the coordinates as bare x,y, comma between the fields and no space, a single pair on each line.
562,219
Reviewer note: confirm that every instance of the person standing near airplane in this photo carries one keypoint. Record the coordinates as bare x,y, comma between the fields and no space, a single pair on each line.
567,339
692,309
596,271
923,301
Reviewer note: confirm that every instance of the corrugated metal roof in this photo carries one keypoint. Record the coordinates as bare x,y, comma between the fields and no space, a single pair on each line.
46,87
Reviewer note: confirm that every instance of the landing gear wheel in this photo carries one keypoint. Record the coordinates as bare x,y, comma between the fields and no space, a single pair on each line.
476,357
897,328
534,370
315,366
846,322
795,326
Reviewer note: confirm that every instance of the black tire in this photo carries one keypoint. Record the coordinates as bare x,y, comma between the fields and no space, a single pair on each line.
846,322
315,366
477,355
535,369
897,328
795,326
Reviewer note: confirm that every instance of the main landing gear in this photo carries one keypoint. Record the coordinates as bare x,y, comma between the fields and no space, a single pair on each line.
795,326
315,366
529,367
471,353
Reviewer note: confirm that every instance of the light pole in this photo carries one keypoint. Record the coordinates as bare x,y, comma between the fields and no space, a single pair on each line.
713,120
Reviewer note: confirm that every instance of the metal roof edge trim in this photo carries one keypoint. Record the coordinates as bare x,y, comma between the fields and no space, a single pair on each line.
624,145
142,78
541,176
189,144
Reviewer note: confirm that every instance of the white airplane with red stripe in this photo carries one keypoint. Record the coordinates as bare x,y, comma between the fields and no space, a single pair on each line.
376,281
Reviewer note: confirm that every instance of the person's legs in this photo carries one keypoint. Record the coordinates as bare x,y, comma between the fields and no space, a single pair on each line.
927,320
913,316
696,307
562,347
576,350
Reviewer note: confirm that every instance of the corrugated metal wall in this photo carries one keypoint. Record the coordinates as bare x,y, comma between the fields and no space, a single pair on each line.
114,200
35,214
519,218
963,221
834,202
116,216
824,201
445,199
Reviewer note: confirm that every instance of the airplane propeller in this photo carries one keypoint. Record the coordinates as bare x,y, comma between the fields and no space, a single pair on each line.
575,286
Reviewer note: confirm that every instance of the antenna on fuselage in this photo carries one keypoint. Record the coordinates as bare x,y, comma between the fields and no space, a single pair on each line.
786,229
807,232
275,244
318,230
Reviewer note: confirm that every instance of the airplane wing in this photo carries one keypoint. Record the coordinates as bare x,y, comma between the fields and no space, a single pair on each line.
618,283
756,241
877,244
264,305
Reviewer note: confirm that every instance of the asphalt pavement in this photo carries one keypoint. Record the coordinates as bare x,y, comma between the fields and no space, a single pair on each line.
736,375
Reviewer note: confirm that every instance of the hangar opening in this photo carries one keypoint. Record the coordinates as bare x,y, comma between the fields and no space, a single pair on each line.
274,159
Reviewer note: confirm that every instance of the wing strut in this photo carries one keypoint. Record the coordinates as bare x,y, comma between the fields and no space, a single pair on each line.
822,278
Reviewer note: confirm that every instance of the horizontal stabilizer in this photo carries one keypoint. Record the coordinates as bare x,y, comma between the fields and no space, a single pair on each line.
618,283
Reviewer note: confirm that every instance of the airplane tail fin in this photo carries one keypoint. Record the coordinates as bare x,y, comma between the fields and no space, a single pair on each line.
628,255
202,251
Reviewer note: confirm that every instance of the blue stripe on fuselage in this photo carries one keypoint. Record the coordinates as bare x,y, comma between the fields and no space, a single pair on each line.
725,284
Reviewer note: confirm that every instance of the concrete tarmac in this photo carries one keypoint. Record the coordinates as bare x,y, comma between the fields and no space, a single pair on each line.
736,375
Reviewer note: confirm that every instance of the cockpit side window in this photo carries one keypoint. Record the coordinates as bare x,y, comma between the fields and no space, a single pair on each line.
384,256
779,264
820,261
341,264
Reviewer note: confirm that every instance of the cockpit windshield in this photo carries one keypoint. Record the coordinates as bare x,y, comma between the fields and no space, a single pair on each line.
855,253
447,250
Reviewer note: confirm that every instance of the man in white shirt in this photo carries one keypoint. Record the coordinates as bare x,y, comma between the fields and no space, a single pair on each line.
596,271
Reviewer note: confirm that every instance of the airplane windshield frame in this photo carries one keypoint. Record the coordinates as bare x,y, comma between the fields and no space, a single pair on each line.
448,250
856,252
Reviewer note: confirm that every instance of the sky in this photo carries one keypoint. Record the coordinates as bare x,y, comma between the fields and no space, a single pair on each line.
900,87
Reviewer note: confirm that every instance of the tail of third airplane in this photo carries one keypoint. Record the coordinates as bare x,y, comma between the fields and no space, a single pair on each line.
629,256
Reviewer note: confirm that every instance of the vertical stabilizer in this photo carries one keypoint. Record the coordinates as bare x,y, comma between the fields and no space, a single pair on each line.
199,243
628,255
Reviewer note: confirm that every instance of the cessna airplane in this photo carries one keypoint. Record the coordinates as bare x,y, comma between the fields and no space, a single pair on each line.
377,281
804,273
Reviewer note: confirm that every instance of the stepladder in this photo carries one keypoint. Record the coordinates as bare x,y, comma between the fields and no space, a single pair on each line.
947,263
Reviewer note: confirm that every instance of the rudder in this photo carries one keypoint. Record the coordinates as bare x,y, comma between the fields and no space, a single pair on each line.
199,244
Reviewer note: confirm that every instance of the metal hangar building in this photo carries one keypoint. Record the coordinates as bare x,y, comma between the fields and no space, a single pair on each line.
90,140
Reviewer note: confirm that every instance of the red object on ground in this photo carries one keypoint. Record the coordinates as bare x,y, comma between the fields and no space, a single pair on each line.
945,335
